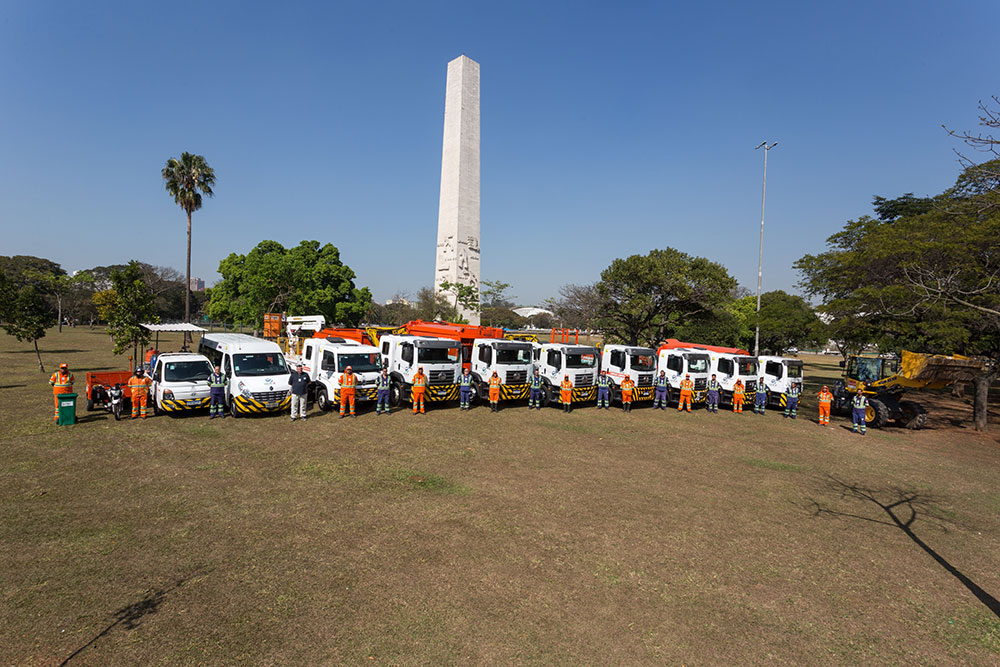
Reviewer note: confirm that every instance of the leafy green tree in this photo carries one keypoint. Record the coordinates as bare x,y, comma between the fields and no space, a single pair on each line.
25,312
187,179
501,316
577,306
787,321
125,306
645,298
305,279
466,296
494,294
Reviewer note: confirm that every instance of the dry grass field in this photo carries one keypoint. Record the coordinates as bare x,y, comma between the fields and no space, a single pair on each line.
519,537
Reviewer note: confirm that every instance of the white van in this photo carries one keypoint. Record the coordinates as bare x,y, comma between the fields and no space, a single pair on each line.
255,368
180,382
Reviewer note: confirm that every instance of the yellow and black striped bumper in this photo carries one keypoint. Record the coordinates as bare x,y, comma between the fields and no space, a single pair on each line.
513,392
170,405
360,394
585,394
253,406
642,394
440,392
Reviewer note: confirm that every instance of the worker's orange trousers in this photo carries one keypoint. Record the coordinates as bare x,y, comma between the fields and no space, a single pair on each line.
55,396
346,396
418,399
685,398
737,404
139,404
824,414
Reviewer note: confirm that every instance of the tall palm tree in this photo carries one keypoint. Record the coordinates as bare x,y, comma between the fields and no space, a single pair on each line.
187,179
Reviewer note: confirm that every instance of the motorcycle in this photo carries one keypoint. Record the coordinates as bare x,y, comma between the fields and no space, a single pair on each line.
114,403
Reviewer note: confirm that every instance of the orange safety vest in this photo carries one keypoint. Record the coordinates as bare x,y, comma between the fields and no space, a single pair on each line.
825,398
567,390
347,381
61,384
738,390
138,386
627,385
495,382
687,386
419,381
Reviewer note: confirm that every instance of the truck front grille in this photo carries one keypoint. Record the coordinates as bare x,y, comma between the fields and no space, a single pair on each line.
583,380
700,384
751,385
645,380
441,377
269,396
517,377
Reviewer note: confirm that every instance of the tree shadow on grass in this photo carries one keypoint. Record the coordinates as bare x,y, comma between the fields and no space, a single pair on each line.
901,508
11,386
44,351
131,615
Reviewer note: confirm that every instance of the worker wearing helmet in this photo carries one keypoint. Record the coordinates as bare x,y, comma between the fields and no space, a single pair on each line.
792,400
566,394
603,391
495,392
138,386
660,391
535,391
419,389
714,389
687,389
627,387
382,386
825,399
465,389
859,408
739,393
62,383
760,397
348,380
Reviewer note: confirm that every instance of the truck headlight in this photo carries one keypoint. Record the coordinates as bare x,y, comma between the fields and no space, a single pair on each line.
168,394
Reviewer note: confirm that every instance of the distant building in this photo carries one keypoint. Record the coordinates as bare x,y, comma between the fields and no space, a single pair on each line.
399,300
532,311
196,285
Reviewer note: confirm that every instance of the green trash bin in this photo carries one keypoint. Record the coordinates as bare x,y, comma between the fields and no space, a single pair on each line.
67,409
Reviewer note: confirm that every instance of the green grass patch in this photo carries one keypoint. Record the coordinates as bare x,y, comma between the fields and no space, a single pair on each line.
772,465
429,482
975,627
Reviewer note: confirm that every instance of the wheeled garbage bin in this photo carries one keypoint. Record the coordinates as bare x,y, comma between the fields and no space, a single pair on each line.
67,409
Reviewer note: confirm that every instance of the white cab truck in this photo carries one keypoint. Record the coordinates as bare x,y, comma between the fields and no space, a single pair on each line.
638,363
681,361
728,368
511,359
556,360
180,382
440,358
325,359
256,371
779,374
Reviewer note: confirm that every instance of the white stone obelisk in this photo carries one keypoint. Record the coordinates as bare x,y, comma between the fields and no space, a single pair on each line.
458,211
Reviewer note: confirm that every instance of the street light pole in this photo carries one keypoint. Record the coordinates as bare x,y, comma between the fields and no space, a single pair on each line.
760,256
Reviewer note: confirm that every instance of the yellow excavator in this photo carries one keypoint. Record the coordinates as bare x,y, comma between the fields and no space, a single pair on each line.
885,378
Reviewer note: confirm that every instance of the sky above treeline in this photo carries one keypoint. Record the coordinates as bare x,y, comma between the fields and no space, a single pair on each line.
608,129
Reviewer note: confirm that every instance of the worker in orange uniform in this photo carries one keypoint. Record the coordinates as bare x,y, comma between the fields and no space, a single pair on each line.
62,383
138,387
687,389
419,389
566,394
494,392
347,382
738,395
825,399
627,387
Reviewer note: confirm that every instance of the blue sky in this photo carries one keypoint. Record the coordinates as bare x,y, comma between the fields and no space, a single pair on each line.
607,128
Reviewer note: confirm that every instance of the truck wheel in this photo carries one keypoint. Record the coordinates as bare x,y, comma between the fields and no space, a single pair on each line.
323,400
90,404
548,396
914,415
614,394
232,409
877,414
481,393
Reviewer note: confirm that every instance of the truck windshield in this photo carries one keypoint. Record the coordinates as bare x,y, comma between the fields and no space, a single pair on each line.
512,356
186,371
794,370
644,362
437,355
362,362
748,367
585,360
698,364
259,363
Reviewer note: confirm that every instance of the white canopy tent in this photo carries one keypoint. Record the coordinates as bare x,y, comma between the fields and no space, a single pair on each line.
176,327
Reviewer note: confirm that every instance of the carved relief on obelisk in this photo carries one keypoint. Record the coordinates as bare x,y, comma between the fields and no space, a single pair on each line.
458,211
